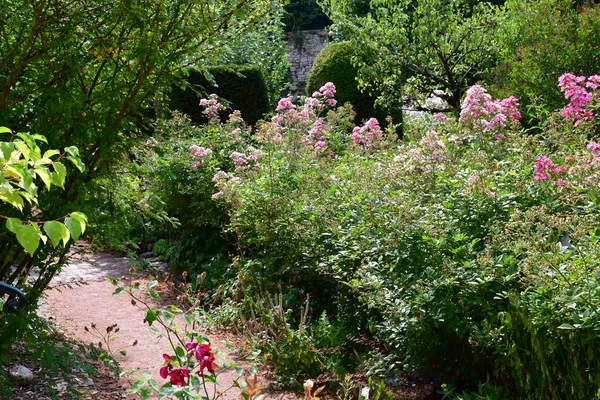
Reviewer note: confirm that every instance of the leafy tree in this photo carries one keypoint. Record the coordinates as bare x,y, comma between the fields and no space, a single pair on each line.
543,40
303,15
429,44
264,47
83,71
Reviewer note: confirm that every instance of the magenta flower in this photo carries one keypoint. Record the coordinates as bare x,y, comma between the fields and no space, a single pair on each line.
204,356
177,375
543,167
575,89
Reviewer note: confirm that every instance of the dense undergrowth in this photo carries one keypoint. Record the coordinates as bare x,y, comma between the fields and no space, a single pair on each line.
467,243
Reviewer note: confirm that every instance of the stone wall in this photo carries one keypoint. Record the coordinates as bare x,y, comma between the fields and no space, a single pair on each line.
303,47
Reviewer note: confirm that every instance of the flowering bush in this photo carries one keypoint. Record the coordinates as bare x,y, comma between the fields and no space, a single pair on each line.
441,250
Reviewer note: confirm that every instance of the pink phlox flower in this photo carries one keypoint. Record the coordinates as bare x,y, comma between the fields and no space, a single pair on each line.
285,104
440,117
481,113
594,148
212,107
576,91
559,182
197,151
239,158
543,167
367,134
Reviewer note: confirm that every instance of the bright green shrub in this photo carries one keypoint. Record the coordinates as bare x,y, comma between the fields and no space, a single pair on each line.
334,64
243,87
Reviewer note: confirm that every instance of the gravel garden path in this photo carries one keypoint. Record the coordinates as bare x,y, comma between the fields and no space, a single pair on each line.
73,307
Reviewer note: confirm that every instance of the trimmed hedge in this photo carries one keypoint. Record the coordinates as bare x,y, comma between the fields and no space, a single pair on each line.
334,64
243,86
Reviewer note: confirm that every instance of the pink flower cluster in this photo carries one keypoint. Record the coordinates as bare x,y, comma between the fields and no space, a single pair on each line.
440,117
326,93
316,137
579,90
243,160
544,167
368,134
212,107
594,148
481,113
200,152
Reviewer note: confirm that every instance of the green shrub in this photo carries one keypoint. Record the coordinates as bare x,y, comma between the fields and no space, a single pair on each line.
334,64
243,87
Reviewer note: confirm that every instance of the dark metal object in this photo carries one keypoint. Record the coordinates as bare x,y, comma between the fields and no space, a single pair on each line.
13,305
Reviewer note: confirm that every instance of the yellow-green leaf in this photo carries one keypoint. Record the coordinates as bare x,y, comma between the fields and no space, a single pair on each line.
74,226
57,231
28,237
44,175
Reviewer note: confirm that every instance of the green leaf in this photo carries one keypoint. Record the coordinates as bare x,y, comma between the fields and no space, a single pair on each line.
13,224
44,175
154,295
4,129
50,153
6,148
59,175
73,153
74,226
145,393
57,231
12,197
118,291
28,237
168,317
151,316
566,326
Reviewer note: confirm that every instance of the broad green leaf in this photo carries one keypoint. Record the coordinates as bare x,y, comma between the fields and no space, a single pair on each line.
24,149
12,224
145,393
44,161
11,196
57,231
151,316
4,129
50,153
28,237
168,317
6,148
79,216
74,227
44,175
73,153
59,174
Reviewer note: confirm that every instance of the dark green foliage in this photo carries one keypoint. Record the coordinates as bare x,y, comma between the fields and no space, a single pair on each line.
305,15
243,87
334,64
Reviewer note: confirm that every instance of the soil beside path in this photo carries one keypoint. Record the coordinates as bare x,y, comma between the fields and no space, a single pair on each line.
78,306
